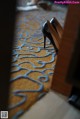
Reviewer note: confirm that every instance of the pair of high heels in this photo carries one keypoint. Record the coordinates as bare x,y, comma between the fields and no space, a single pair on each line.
53,31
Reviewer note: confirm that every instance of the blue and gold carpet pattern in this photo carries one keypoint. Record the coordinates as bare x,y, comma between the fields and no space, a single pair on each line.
32,65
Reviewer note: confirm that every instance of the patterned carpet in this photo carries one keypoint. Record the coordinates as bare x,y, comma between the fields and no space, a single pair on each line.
32,65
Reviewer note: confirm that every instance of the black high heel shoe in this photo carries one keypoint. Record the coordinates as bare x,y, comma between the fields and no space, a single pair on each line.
58,28
50,32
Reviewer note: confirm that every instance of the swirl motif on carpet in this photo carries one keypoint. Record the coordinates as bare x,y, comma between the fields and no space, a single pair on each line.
32,65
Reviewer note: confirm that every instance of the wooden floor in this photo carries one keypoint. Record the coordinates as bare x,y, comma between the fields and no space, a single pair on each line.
52,106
